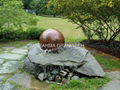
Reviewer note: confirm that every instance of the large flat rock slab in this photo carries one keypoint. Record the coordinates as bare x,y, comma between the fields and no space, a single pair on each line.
70,56
91,67
7,86
112,85
11,56
22,79
9,67
78,58
20,51
8,48
113,75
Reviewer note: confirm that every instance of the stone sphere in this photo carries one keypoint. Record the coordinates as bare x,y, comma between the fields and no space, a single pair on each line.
51,40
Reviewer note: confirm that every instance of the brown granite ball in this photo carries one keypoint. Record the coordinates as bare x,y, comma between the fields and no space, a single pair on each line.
51,40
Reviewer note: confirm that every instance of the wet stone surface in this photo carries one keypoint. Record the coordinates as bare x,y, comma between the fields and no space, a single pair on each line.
11,56
21,79
1,61
9,67
19,51
12,76
113,75
11,59
8,48
114,84
1,77
7,86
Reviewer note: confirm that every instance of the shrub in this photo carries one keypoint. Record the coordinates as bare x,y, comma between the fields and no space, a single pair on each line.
31,33
34,33
13,17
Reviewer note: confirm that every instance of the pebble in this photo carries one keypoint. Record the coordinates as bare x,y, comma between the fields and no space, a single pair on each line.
75,78
41,76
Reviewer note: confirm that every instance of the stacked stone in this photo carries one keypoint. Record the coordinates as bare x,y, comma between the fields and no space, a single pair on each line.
69,64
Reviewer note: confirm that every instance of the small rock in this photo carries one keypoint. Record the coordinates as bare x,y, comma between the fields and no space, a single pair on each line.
58,79
69,76
47,81
54,72
51,78
67,70
75,78
41,76
63,73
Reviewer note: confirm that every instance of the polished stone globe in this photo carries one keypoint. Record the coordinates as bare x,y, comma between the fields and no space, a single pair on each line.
52,40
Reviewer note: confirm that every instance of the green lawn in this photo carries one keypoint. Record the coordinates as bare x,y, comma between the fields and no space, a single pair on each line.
82,84
108,64
67,28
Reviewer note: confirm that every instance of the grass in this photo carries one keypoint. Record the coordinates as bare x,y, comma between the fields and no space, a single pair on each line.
108,64
82,84
67,28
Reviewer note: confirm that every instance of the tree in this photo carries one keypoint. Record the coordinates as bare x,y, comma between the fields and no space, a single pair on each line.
13,17
40,6
97,18
26,3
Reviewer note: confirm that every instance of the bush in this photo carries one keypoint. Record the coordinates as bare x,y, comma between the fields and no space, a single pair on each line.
31,33
34,33
13,17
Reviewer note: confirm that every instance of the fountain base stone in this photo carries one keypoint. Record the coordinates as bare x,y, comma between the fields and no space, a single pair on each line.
70,63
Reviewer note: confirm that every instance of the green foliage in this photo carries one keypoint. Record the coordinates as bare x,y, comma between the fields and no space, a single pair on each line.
31,33
26,3
13,17
40,6
97,18
82,84
34,33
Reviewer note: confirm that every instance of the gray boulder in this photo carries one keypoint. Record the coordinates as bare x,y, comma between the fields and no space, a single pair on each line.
77,58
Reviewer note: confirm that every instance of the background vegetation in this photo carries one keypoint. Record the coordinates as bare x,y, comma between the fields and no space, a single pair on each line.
40,7
97,18
94,19
15,23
